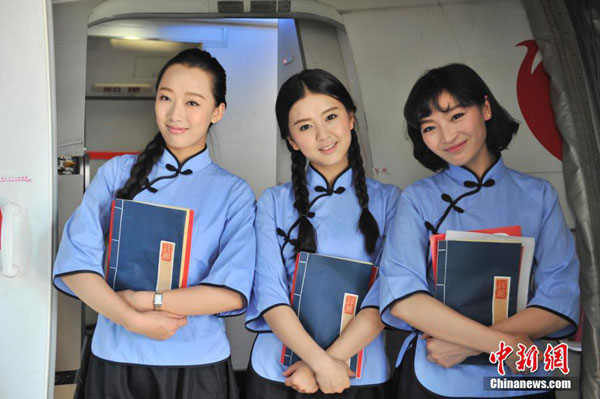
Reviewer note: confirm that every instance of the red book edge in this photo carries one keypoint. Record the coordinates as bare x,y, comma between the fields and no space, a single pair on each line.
514,231
110,235
186,261
359,361
291,300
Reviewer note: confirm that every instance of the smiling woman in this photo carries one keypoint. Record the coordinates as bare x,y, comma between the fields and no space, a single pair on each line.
456,125
331,199
457,134
169,344
320,128
185,108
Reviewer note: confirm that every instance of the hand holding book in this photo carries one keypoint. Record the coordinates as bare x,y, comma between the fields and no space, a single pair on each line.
446,354
481,275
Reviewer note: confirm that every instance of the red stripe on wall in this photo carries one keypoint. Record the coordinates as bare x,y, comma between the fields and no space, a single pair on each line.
108,154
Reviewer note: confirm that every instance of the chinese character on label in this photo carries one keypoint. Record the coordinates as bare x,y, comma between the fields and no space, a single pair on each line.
556,358
166,251
528,358
503,352
501,289
350,305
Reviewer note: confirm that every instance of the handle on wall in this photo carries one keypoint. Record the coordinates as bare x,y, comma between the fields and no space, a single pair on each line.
8,220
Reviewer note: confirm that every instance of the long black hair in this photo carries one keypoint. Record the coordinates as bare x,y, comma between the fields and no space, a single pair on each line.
295,88
195,58
468,89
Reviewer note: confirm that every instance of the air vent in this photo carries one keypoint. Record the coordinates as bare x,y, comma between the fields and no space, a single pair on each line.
231,7
263,6
284,6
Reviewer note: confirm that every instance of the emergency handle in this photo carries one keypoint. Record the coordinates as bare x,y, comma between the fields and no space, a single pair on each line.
8,216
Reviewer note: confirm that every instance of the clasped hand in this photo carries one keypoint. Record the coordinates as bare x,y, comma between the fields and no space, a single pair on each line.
331,377
446,354
159,325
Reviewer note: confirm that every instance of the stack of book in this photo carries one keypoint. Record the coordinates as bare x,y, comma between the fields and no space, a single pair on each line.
484,275
327,292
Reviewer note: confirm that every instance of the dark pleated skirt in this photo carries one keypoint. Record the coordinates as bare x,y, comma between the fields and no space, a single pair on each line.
257,387
107,380
404,383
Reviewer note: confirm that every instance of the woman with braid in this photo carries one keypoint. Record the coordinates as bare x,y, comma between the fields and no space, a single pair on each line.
179,349
329,208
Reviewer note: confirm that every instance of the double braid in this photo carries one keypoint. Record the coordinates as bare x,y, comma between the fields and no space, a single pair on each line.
142,167
307,237
367,223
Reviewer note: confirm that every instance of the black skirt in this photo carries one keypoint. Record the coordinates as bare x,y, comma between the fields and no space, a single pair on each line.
257,387
404,383
107,379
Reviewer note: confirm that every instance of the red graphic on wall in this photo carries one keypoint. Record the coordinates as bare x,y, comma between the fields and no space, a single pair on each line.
533,94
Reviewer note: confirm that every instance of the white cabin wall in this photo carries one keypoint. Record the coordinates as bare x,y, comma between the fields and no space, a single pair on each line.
321,48
244,142
70,32
289,62
393,46
27,178
325,46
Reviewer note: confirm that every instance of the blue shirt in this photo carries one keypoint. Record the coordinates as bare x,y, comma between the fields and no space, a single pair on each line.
336,214
503,197
222,252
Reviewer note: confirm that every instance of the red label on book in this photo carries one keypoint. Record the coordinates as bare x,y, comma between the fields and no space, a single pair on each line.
166,251
350,304
501,289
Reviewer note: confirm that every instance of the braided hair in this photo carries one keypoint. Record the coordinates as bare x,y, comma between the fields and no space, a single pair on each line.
293,90
146,160
366,223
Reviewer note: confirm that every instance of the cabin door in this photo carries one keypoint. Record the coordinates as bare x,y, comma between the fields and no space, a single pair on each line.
27,176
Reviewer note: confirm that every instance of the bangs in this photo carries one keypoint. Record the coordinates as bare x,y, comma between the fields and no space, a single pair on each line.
454,79
421,106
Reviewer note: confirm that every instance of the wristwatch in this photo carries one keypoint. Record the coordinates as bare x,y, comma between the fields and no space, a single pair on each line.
158,300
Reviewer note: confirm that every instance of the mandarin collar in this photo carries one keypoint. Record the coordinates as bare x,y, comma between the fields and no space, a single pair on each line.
194,163
462,174
316,179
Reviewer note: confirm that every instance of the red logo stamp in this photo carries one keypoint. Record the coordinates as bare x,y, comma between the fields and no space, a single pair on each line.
350,305
501,289
166,251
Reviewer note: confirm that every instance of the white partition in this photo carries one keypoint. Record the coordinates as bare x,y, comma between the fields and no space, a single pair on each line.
27,174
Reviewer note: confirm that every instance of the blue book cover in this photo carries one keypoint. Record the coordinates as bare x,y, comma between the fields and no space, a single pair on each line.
148,247
480,280
327,292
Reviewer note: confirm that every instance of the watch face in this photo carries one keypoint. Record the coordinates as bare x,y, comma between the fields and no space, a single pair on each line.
158,299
